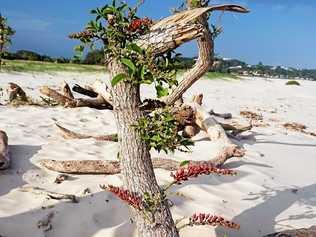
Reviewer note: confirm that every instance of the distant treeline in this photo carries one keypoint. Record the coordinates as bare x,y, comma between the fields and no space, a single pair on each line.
96,57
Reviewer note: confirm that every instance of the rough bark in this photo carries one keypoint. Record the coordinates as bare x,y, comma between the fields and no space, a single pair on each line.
4,151
136,164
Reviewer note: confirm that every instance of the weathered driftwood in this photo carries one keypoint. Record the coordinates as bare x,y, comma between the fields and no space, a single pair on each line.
111,167
98,103
66,90
216,133
67,134
84,91
16,93
56,96
52,195
224,116
4,151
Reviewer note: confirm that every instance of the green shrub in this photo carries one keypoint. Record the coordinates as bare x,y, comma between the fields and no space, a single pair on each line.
293,83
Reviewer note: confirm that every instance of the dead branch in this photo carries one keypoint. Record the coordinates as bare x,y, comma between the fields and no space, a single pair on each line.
67,134
84,91
52,195
4,151
16,93
224,116
66,90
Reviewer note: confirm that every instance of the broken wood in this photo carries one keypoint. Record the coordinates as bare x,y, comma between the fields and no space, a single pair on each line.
67,134
84,91
98,103
66,90
58,97
16,93
297,127
4,151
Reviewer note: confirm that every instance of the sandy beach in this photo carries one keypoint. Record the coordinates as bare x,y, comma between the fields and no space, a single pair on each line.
275,188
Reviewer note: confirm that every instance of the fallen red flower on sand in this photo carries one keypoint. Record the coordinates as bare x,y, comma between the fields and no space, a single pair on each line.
184,173
212,220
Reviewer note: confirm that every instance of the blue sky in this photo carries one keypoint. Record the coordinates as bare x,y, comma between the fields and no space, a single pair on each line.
276,32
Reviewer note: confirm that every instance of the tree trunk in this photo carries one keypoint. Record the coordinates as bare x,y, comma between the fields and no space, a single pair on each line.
136,164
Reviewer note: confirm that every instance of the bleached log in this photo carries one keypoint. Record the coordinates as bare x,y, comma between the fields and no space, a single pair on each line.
216,133
4,151
101,88
111,167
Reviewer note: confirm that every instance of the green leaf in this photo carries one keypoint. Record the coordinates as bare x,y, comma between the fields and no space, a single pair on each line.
135,48
79,48
185,162
117,79
161,91
127,62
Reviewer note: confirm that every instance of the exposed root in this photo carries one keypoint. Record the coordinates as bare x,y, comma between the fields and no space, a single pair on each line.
67,134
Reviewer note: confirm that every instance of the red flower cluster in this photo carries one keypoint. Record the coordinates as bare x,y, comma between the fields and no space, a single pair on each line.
183,174
125,195
138,25
208,219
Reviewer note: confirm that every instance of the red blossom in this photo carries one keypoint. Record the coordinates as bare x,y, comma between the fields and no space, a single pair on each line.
213,220
139,24
125,195
184,173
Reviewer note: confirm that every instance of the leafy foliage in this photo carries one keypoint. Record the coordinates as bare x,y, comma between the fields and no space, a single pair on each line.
160,131
118,27
5,35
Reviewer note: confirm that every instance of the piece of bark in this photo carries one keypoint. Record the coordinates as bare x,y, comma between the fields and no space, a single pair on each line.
4,151
84,91
67,91
67,134
16,93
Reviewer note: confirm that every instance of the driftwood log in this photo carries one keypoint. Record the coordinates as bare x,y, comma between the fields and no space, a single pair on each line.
4,151
97,103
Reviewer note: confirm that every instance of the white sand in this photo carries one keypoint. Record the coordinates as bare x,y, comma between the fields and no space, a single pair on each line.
259,197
